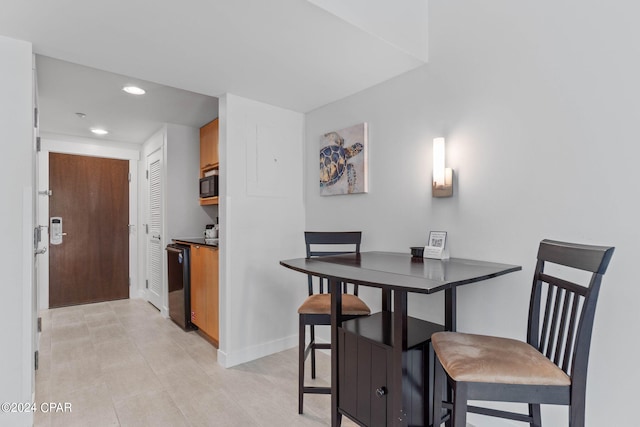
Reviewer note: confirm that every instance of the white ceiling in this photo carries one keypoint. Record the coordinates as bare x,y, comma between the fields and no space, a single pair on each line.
288,53
65,89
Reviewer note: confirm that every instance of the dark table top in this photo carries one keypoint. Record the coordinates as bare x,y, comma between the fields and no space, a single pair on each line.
399,271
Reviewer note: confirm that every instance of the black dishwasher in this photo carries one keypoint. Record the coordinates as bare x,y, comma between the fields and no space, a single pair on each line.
178,267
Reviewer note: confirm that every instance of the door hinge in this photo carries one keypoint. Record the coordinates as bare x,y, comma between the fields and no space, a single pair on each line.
38,144
129,281
35,357
146,283
147,173
146,228
39,324
35,117
129,177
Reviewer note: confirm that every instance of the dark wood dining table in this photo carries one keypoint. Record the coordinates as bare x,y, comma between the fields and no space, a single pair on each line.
397,275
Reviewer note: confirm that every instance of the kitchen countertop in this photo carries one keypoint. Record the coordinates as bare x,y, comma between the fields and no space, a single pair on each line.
194,241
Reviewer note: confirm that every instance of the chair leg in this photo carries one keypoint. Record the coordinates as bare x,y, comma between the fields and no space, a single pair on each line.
576,414
301,351
459,416
534,413
313,351
439,381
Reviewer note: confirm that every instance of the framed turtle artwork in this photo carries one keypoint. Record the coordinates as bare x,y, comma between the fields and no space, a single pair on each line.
343,161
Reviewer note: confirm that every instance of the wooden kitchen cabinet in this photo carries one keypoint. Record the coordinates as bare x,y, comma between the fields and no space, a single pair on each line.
209,146
209,159
204,290
212,305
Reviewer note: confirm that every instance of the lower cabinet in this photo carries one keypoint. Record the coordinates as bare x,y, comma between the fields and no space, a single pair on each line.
365,360
204,290
363,379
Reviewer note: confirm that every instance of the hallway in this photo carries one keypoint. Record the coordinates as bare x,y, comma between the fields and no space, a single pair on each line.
121,363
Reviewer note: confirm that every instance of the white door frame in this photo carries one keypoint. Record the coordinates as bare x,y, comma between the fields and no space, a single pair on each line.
95,148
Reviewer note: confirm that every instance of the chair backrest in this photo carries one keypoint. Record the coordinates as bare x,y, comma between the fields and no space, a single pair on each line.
327,243
561,311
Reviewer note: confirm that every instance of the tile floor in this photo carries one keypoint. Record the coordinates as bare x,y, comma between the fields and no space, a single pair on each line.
121,363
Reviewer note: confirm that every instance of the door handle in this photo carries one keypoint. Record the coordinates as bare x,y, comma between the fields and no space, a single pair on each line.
40,251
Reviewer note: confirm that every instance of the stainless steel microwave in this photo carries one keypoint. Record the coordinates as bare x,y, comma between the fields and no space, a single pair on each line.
209,186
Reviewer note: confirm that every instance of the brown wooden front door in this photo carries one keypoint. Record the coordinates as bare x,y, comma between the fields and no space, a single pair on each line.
91,196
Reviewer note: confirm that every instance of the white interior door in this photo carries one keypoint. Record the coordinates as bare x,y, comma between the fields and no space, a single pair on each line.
155,249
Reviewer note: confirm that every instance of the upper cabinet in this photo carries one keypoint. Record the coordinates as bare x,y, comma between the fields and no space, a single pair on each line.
209,155
209,146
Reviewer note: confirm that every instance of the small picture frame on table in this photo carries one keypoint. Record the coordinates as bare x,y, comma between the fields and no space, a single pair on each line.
436,249
438,239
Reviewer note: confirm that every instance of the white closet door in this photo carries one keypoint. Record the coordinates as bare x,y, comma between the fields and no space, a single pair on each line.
155,251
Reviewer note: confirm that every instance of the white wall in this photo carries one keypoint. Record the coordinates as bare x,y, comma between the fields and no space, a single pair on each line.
16,228
538,102
185,216
262,221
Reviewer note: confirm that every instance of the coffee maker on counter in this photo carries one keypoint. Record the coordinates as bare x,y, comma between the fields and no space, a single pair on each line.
211,234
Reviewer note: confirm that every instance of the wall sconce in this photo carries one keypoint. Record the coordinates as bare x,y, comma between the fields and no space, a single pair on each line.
442,177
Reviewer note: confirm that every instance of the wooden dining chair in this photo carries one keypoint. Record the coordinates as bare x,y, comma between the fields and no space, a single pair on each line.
316,309
551,366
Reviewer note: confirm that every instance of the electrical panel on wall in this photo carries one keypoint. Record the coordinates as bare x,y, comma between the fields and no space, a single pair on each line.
269,162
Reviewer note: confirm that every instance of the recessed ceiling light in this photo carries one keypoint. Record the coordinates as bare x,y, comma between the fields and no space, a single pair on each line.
134,90
98,131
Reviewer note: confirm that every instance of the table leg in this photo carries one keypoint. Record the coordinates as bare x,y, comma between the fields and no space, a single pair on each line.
336,320
386,300
450,309
399,360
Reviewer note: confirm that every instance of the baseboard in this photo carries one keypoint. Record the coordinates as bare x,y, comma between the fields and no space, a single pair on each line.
247,354
137,294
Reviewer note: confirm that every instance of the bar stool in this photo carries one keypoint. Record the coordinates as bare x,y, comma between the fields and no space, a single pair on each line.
550,367
316,309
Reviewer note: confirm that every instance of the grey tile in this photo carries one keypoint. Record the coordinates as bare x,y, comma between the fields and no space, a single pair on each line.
115,352
67,315
70,349
99,319
216,409
152,408
74,375
121,363
84,407
126,381
69,331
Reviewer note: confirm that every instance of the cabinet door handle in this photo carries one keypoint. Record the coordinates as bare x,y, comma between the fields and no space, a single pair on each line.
381,391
